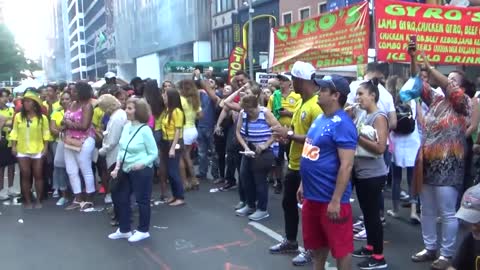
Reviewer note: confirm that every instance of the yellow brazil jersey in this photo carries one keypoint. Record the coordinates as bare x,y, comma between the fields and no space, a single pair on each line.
97,118
30,135
55,107
169,125
57,116
305,113
189,112
158,123
289,103
8,113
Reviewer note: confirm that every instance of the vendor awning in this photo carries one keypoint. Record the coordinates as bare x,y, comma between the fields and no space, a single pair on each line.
189,67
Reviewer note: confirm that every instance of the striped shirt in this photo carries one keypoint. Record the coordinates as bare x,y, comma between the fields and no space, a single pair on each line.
258,131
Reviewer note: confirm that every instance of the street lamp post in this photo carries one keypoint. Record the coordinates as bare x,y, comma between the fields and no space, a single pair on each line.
250,39
94,59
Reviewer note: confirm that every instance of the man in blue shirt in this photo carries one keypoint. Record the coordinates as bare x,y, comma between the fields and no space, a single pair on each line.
205,127
325,169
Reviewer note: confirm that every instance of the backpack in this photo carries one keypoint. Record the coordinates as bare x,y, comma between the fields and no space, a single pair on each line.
405,120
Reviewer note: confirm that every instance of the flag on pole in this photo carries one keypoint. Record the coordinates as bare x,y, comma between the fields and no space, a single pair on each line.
100,39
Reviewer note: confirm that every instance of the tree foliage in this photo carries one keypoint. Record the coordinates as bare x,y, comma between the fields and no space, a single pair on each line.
12,57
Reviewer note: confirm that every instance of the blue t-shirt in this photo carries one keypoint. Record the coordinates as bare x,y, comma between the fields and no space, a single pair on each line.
320,162
208,108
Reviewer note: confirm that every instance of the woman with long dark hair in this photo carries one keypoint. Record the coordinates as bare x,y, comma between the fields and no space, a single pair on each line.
190,100
79,145
30,136
153,96
173,120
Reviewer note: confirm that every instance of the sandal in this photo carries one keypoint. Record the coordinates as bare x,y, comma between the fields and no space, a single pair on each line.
177,203
75,205
170,201
85,205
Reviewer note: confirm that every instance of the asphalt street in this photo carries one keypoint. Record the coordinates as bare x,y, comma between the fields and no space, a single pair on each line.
204,234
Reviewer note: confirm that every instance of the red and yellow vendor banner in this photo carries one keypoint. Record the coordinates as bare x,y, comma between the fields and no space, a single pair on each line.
337,38
447,34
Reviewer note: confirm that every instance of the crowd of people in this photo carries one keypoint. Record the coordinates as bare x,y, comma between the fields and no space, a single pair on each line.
335,135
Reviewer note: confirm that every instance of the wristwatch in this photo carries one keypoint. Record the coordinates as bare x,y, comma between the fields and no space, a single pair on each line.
290,134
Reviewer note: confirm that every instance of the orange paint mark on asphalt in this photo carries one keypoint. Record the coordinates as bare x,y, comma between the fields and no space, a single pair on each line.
229,266
157,259
223,247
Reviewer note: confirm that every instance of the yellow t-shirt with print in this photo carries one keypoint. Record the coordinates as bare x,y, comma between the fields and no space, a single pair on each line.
30,135
57,116
97,118
55,107
304,115
289,103
8,113
189,112
170,125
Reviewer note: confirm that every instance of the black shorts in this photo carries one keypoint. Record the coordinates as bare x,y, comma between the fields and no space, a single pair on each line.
6,157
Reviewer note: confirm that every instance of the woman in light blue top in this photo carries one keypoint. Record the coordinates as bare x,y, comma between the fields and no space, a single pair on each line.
138,151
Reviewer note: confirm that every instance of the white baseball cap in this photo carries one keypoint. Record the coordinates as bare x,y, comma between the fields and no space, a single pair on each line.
303,70
110,75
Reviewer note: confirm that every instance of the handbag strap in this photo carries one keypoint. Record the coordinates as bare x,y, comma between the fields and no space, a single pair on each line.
126,148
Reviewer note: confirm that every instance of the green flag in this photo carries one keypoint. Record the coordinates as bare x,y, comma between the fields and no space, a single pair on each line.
101,39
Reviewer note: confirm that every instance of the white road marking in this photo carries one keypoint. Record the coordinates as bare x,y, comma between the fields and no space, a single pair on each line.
279,238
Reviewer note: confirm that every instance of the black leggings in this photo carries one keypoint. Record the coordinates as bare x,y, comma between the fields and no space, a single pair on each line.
368,191
220,147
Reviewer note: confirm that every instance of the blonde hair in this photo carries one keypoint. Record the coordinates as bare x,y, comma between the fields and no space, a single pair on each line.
108,103
189,91
142,109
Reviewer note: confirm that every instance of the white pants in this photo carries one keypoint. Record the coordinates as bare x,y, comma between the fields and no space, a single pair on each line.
81,160
439,201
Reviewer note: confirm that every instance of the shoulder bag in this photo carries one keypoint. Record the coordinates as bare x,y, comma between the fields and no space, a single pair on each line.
121,175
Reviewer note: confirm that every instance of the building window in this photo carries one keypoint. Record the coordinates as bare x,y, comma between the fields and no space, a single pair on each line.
287,18
224,5
304,13
322,8
82,36
80,22
82,48
83,62
222,43
84,75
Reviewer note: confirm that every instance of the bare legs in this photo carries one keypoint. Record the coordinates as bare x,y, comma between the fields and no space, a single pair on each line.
189,170
320,258
29,167
10,174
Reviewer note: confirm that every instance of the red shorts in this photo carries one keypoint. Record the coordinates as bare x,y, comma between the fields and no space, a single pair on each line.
319,231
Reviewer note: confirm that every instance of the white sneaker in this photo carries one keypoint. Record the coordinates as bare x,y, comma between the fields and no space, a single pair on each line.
245,211
12,192
3,195
361,236
138,236
119,235
55,194
108,199
62,201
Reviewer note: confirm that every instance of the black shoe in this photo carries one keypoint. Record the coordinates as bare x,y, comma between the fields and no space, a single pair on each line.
372,263
228,186
284,247
278,189
424,256
362,253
